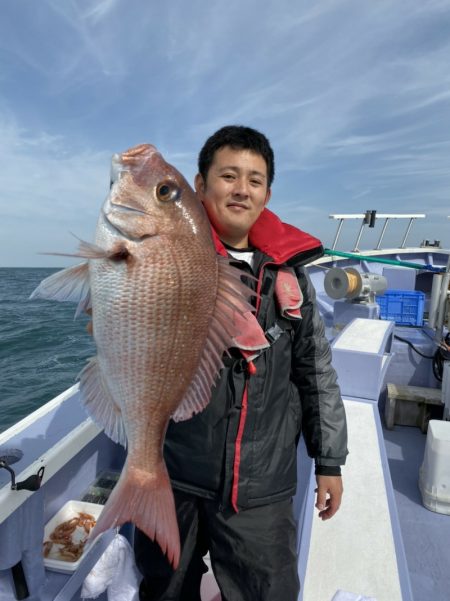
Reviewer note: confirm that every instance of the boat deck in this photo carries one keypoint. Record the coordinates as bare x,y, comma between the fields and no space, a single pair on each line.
425,533
74,453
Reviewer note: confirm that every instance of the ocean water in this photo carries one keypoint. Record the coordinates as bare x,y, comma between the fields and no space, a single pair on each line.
42,348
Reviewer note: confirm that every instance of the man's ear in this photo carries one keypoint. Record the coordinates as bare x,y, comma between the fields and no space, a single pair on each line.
199,184
268,195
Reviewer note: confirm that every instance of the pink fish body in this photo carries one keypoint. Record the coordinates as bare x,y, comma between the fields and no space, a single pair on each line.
165,307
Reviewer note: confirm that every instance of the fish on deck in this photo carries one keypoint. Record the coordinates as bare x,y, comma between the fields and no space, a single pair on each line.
165,308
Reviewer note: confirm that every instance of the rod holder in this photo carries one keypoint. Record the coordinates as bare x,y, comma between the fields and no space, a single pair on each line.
11,456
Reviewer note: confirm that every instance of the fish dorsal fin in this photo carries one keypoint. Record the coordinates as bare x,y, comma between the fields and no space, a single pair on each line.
71,284
99,403
227,326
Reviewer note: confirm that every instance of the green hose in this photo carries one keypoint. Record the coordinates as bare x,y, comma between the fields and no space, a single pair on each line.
358,257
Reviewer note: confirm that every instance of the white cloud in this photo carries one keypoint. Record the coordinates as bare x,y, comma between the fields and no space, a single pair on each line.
99,11
353,95
47,190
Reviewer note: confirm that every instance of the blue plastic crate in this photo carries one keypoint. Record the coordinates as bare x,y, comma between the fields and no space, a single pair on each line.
405,307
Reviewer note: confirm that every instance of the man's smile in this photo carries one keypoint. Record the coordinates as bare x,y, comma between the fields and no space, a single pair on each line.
236,206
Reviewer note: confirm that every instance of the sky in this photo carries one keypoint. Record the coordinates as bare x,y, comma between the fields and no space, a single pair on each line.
354,96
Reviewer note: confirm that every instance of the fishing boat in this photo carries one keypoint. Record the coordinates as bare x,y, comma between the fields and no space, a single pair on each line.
385,313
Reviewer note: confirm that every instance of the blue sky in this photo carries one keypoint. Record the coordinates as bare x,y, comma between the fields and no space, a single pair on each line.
353,94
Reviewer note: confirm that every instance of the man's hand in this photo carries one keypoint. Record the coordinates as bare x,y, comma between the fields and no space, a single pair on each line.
329,494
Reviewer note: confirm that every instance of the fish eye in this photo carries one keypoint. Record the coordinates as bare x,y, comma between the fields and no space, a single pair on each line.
167,191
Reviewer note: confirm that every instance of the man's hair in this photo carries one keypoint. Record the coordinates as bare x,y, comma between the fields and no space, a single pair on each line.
237,137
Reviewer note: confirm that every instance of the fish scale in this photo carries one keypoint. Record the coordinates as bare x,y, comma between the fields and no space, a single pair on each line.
155,358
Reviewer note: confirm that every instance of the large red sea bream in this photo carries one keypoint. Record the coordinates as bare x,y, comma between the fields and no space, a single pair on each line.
165,307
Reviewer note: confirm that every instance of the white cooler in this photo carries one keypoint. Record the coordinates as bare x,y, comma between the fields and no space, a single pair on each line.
434,475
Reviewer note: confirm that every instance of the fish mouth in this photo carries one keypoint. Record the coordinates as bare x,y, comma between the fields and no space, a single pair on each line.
141,150
114,214
121,208
131,160
115,219
119,204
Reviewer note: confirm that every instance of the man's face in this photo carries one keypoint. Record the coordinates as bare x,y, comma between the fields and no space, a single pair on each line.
235,193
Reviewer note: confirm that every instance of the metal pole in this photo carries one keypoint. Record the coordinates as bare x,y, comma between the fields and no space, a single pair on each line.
433,310
407,232
341,223
20,582
359,236
442,303
378,246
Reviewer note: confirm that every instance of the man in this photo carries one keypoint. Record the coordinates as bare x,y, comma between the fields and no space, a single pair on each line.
233,466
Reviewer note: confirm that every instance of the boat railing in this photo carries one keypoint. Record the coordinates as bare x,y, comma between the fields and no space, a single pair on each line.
369,219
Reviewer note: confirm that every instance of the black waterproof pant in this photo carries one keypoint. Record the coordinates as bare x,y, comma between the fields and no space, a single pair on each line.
253,553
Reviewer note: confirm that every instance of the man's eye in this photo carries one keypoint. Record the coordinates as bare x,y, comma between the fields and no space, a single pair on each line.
228,176
256,182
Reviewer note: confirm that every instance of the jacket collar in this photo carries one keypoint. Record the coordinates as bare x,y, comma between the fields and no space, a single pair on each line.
282,242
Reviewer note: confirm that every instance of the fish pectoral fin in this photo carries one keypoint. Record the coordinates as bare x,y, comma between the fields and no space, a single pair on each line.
86,250
71,284
99,402
230,323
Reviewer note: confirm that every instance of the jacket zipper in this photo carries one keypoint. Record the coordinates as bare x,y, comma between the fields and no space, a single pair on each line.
243,416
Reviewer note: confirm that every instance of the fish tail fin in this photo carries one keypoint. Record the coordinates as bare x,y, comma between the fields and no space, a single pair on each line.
146,500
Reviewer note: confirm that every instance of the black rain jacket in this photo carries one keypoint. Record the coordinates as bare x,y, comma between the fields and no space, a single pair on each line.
243,447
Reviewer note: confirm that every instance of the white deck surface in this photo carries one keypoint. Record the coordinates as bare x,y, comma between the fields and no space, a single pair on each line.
374,332
354,551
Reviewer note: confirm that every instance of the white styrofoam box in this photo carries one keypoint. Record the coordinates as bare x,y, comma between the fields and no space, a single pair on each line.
67,512
434,475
